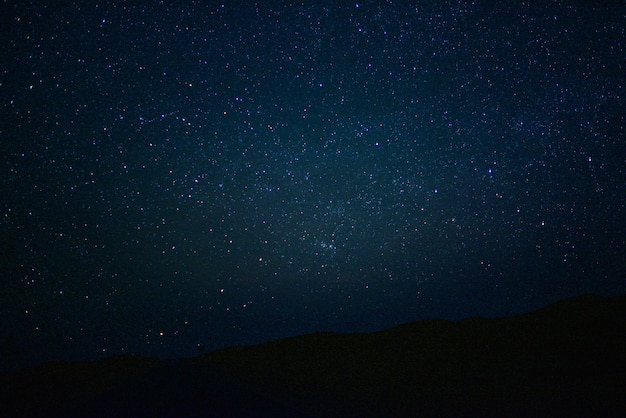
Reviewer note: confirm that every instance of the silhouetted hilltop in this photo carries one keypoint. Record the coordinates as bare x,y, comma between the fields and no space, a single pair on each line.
568,359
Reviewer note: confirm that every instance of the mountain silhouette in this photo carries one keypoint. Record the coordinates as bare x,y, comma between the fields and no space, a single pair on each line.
568,359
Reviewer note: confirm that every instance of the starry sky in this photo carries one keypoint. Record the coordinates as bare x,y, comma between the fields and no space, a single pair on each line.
179,177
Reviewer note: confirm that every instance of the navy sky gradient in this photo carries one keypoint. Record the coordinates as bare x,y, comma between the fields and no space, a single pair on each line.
214,174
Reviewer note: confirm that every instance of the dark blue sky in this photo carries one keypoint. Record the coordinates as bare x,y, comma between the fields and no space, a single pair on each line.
220,175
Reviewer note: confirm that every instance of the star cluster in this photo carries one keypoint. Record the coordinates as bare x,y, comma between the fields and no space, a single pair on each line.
211,174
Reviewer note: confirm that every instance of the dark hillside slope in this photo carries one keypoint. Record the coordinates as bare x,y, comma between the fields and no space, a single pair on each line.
568,359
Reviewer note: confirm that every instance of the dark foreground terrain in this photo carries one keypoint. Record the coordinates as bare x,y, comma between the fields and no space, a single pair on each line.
568,359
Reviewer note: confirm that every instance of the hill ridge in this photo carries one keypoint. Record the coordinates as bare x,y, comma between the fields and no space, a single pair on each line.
566,359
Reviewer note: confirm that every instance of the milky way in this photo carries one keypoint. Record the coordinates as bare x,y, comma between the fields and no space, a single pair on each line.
213,175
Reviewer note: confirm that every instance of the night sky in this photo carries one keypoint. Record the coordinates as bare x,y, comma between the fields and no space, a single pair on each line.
181,178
